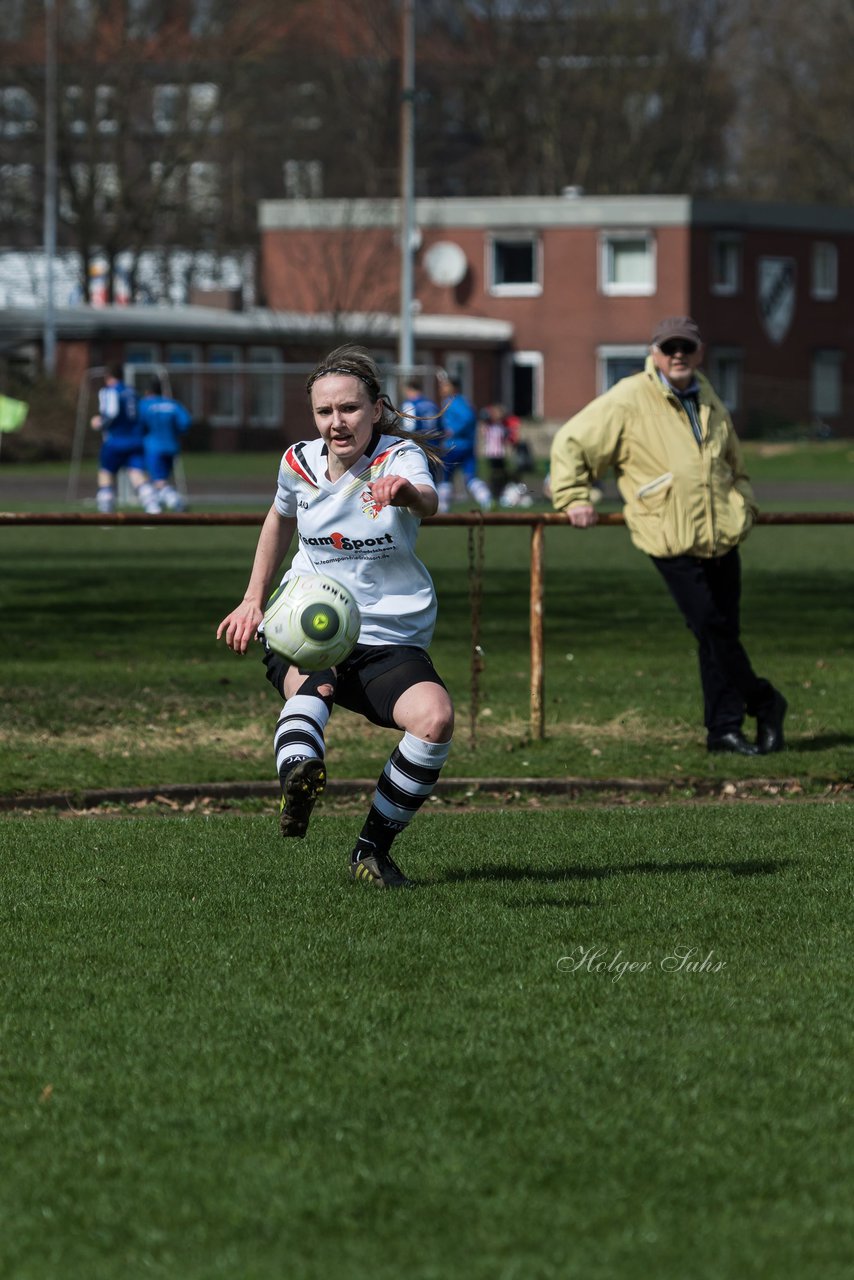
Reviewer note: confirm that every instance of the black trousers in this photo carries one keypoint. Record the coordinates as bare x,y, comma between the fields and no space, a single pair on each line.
708,593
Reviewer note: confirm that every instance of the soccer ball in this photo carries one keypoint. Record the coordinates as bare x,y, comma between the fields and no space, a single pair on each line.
312,621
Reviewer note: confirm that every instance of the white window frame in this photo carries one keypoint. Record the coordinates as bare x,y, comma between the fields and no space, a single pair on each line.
528,360
18,113
515,289
608,241
826,383
616,351
824,271
730,245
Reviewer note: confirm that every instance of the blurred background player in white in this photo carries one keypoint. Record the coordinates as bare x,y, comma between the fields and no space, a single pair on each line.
459,421
495,438
164,421
355,496
122,444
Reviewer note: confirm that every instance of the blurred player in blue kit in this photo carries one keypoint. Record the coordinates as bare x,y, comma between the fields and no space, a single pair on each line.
164,421
122,444
459,420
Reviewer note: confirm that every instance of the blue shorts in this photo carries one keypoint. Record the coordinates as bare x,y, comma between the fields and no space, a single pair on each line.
462,457
158,464
118,451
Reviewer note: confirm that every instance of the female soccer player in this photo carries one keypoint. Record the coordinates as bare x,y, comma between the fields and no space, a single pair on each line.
355,496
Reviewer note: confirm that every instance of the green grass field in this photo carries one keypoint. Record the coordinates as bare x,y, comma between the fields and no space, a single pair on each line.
220,1059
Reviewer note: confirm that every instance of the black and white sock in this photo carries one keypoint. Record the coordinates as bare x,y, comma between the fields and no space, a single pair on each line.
408,778
299,732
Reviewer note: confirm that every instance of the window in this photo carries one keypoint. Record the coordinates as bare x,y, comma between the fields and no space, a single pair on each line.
17,112
523,375
74,110
726,264
825,269
186,387
725,371
204,19
166,107
514,267
457,364
616,362
826,384
203,188
225,399
265,397
12,19
17,192
203,108
303,179
143,18
627,263
144,353
166,184
105,109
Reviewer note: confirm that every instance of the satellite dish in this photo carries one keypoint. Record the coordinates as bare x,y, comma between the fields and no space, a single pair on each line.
445,263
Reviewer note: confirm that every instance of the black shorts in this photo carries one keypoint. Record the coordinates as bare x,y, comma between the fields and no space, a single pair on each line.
369,682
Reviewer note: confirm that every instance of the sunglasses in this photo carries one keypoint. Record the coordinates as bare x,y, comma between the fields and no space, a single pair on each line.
678,347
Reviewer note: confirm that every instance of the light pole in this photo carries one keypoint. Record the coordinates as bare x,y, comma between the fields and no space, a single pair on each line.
407,183
49,337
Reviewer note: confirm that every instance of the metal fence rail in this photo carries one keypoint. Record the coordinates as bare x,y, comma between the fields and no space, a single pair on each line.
535,521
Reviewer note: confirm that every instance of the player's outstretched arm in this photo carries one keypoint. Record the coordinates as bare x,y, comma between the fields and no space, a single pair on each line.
396,491
240,626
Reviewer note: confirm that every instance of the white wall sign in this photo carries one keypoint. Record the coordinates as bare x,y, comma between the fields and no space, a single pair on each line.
776,293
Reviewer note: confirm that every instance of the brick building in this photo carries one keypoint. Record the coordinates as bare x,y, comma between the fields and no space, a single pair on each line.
581,281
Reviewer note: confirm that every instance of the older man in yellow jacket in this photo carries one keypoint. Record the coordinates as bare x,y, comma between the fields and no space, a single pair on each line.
688,504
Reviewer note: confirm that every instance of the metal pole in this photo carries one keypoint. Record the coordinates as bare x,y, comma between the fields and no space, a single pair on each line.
407,183
49,336
536,626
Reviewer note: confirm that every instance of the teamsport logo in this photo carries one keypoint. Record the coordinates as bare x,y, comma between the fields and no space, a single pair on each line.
340,543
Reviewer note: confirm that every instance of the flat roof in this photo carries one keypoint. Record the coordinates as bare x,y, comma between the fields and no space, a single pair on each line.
553,211
22,324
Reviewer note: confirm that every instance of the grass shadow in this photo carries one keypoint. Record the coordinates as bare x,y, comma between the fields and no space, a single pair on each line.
555,875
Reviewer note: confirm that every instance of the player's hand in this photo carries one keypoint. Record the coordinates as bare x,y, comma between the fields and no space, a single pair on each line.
582,517
96,423
240,626
394,491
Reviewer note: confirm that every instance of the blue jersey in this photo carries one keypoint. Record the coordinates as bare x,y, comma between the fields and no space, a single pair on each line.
460,422
117,405
422,419
164,421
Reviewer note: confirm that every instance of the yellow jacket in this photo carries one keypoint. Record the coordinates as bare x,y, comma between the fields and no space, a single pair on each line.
681,497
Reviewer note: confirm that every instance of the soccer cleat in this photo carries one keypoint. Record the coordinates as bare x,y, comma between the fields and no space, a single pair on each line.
378,869
302,786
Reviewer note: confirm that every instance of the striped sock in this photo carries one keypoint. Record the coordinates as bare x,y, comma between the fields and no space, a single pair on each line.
299,732
408,778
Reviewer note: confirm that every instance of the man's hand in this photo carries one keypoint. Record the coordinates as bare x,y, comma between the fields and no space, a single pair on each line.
582,517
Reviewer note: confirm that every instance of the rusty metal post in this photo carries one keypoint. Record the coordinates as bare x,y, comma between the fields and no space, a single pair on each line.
537,663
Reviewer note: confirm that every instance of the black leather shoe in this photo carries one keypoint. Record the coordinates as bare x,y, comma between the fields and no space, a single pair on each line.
769,726
734,741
